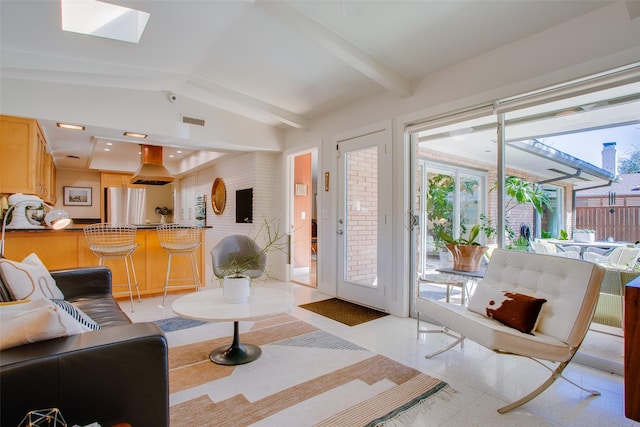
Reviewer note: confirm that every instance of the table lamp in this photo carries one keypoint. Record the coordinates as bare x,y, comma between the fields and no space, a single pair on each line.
55,218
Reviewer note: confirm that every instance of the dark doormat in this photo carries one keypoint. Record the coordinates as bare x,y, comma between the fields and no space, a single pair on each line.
343,311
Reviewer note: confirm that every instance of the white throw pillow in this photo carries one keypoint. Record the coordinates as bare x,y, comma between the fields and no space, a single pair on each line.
29,279
33,321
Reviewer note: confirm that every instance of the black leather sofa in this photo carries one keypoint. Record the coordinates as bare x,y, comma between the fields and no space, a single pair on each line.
117,374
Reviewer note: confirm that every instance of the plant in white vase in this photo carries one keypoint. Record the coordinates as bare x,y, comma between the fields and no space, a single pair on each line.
238,258
584,235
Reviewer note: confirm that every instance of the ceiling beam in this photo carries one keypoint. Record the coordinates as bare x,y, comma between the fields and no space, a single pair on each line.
282,115
339,47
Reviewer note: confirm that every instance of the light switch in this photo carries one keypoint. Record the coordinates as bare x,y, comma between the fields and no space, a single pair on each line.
303,215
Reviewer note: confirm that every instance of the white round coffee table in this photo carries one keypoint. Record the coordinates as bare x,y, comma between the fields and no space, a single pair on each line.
210,306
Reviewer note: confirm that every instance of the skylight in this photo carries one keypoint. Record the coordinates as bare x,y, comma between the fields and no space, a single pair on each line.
100,19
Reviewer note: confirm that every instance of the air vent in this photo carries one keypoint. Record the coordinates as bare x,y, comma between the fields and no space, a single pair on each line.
192,121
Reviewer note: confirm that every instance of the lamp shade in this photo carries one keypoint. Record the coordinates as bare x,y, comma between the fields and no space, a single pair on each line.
57,219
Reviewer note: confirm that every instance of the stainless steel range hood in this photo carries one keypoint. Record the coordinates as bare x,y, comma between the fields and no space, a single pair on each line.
151,170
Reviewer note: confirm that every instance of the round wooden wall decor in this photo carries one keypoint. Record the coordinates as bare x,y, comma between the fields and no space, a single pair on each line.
218,196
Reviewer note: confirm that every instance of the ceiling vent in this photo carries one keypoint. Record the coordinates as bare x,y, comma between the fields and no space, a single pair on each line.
192,121
151,170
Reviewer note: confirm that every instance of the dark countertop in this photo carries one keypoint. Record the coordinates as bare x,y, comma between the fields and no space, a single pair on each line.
80,227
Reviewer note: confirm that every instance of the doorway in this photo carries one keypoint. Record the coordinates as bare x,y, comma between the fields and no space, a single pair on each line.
303,213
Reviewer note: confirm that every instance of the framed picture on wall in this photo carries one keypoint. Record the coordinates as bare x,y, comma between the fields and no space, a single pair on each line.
77,196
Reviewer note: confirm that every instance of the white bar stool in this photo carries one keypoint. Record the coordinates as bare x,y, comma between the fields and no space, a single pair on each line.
180,240
115,241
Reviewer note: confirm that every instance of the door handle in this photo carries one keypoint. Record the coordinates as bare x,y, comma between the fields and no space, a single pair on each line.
340,232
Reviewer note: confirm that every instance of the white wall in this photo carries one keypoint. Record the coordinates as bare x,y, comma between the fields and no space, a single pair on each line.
602,40
74,178
257,170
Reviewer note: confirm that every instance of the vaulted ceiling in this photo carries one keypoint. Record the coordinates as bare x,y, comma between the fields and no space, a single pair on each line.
277,63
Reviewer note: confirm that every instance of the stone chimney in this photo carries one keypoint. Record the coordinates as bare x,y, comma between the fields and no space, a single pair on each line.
610,157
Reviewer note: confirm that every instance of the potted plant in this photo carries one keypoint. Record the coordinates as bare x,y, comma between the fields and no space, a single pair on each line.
246,260
467,252
584,235
164,212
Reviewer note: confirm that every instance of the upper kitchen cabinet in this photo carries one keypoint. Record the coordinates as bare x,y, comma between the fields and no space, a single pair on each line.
120,180
25,166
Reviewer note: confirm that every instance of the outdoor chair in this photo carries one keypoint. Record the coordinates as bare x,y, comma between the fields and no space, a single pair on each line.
541,247
531,305
619,258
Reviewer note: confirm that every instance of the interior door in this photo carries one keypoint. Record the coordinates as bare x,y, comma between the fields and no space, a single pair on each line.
363,229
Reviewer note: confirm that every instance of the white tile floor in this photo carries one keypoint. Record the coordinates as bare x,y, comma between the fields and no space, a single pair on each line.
483,380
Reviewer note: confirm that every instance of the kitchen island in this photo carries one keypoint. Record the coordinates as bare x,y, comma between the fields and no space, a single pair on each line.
68,249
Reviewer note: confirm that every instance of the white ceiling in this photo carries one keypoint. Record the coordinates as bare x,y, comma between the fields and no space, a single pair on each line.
280,63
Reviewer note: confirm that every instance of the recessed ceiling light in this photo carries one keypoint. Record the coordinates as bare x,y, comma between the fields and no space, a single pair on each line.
179,151
107,149
100,19
69,126
109,143
171,155
135,135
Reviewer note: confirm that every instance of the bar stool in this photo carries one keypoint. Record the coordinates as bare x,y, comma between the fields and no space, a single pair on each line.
180,240
115,241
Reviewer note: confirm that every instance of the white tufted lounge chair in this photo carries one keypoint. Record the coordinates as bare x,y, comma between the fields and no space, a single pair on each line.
570,288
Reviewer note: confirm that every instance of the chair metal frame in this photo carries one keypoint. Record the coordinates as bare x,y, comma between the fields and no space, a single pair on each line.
180,240
115,241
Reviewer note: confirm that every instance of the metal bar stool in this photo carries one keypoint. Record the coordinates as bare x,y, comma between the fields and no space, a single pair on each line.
115,241
180,240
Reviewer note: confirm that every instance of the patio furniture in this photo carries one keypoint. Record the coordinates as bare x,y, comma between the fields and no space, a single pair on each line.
541,247
619,258
569,286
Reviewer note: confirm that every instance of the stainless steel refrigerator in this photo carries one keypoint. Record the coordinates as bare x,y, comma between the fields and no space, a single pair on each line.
125,205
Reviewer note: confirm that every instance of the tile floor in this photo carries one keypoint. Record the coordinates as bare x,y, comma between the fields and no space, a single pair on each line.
483,381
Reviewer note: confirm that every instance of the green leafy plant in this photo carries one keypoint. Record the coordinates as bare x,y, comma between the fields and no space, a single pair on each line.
522,192
563,235
486,227
439,206
521,243
545,234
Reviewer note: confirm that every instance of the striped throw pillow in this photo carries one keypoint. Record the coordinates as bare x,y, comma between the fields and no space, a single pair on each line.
77,314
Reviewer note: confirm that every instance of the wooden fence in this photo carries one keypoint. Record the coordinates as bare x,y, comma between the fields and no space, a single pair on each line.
620,222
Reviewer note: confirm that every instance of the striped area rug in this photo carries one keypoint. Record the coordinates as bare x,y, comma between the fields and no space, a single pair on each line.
304,377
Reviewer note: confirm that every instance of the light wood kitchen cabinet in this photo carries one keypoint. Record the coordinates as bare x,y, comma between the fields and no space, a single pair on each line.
68,249
114,179
51,195
23,158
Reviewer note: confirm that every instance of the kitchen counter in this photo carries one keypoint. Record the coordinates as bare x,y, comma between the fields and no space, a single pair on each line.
80,227
67,248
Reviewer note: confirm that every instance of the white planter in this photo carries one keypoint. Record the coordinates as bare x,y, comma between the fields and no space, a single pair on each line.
584,237
236,290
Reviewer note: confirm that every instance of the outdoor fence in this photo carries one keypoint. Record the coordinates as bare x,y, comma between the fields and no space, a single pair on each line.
622,223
